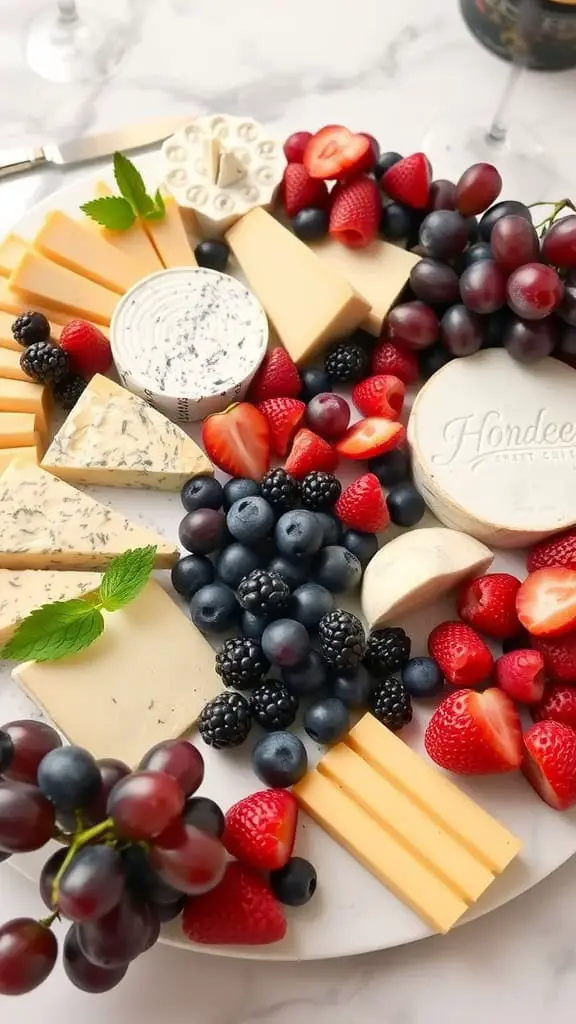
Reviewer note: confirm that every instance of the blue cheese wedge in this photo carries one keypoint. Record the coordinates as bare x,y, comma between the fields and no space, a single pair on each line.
112,438
188,341
23,592
47,524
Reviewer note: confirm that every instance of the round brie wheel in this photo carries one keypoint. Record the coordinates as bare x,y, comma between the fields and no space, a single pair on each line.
494,447
188,340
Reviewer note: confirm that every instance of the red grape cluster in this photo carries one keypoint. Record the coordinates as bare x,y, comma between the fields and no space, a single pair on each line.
135,844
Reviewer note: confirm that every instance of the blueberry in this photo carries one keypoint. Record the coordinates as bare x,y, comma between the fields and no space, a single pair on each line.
315,381
191,573
405,504
298,534
234,563
310,603
363,545
308,677
391,468
252,626
212,253
295,573
203,814
280,759
285,643
70,778
250,519
310,223
202,531
202,492
214,608
385,162
295,883
239,487
353,688
331,528
422,677
337,569
327,721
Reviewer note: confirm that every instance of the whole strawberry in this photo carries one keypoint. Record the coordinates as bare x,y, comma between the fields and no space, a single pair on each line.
488,603
382,395
355,212
284,416
390,357
549,763
559,654
310,452
557,550
277,377
461,654
299,190
260,829
408,181
88,348
557,704
240,911
521,675
362,505
474,733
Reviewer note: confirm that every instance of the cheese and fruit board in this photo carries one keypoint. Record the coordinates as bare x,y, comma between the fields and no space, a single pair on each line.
287,552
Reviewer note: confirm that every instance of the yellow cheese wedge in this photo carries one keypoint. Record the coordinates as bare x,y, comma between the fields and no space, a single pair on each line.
7,455
169,237
10,364
308,302
133,242
13,303
71,244
17,430
11,250
130,689
44,281
46,524
22,592
26,396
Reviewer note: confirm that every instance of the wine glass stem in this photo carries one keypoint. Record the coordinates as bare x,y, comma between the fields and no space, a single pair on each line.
498,129
67,11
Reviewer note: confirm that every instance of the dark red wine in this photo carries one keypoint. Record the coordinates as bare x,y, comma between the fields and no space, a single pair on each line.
542,33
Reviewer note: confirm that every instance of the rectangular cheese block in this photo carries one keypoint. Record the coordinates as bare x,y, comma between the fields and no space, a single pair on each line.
45,281
133,242
47,524
7,455
13,303
377,272
12,248
22,592
308,301
144,680
17,430
169,237
114,438
68,242
10,364
26,396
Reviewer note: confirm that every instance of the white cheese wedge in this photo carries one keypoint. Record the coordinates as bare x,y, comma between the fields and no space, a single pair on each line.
23,592
494,447
12,248
145,679
47,524
68,242
112,438
416,568
133,242
41,280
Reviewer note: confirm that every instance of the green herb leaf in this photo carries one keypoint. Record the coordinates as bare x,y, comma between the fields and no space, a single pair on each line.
125,577
54,631
159,201
113,212
131,185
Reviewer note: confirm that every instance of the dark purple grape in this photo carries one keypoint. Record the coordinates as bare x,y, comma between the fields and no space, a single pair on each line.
178,758
494,327
92,884
119,936
48,875
531,340
567,308
434,282
559,243
169,911
514,242
202,531
501,209
432,359
474,254
203,813
566,345
483,287
442,195
28,952
23,744
26,817
461,331
396,222
85,975
443,234
413,323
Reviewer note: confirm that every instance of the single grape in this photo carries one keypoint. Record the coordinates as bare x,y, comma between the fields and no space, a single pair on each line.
143,804
483,287
534,291
28,952
514,242
567,308
178,758
477,189
443,234
92,883
117,937
432,359
414,323
23,744
474,254
48,875
188,859
142,880
502,209
111,771
461,331
169,911
494,327
528,341
566,344
442,195
434,282
26,817
69,778
395,222
559,243
204,814
202,531
328,415
85,975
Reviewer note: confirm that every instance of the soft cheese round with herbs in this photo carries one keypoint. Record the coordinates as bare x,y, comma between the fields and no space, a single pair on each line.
188,340
494,447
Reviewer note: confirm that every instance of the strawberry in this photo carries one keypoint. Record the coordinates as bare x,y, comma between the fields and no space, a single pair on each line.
284,416
382,395
391,357
559,655
557,550
310,452
521,675
277,377
240,911
295,146
371,437
474,733
558,704
462,655
408,181
261,829
546,602
355,212
549,762
89,350
335,151
300,190
362,505
489,604
238,440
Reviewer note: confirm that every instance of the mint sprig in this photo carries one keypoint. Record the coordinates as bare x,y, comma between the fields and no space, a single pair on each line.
66,627
118,213
112,212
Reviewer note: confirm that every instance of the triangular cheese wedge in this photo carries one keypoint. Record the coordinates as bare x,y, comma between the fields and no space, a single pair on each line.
112,438
23,592
46,524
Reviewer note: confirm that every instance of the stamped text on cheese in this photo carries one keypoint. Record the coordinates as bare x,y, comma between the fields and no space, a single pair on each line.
475,439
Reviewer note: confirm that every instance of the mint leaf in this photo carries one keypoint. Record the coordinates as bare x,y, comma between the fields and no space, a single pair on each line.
54,631
125,577
131,185
159,201
113,212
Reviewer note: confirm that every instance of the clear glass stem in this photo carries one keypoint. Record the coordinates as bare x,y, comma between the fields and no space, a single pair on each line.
67,11
498,130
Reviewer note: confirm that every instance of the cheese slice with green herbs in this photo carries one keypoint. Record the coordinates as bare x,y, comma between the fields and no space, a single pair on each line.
23,592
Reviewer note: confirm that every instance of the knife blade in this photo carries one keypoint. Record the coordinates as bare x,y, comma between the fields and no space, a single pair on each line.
91,147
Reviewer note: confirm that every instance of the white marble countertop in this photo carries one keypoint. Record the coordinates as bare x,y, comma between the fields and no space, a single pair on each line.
392,69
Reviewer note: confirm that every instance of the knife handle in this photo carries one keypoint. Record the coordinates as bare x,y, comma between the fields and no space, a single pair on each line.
13,161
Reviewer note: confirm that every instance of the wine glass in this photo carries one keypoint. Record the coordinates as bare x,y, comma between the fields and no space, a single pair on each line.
66,45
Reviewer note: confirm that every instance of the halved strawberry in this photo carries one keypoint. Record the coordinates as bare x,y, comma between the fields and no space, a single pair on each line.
382,395
521,675
550,762
261,829
310,452
238,440
409,180
474,733
299,190
546,602
335,151
284,416
371,437
362,505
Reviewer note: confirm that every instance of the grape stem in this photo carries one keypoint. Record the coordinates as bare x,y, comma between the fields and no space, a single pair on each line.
79,841
562,204
47,922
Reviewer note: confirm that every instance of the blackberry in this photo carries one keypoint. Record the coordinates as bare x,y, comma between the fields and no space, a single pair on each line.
45,362
273,705
345,362
241,663
342,639
263,593
69,390
225,721
388,650
390,703
279,489
319,491
30,327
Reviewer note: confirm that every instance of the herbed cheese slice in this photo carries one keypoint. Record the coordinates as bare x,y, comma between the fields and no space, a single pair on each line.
23,592
113,438
46,524
308,302
26,396
72,245
17,429
12,248
133,242
169,238
45,281
145,679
